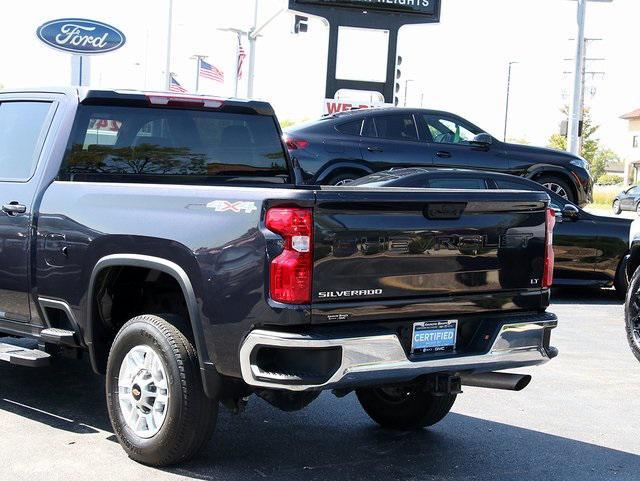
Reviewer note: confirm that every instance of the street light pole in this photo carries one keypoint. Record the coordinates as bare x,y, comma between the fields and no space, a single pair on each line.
252,51
252,34
575,109
506,110
406,90
168,59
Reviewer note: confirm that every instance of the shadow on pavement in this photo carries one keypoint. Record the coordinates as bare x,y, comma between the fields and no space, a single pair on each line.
331,439
584,295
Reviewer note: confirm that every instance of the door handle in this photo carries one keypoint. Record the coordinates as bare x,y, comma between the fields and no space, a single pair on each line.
14,208
444,155
374,149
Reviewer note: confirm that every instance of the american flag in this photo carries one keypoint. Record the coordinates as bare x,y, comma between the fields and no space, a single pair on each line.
211,72
176,87
241,56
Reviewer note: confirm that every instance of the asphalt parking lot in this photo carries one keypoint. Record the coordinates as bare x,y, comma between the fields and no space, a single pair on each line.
578,420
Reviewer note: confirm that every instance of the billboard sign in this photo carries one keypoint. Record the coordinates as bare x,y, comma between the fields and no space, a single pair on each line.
80,36
413,7
334,106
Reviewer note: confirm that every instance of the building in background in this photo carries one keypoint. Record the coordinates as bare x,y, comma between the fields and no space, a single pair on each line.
632,148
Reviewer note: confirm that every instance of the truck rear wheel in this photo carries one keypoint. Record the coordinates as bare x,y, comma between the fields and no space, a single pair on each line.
404,408
157,406
632,314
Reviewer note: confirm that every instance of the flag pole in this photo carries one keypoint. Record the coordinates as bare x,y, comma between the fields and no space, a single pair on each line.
168,57
198,65
235,92
198,59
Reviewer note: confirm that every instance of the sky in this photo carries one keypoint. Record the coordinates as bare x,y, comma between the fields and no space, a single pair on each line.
459,65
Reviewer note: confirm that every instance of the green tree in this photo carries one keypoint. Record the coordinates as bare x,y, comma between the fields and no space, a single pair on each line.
592,151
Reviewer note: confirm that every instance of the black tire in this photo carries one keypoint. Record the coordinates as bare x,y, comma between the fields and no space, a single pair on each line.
552,180
343,178
632,314
617,210
405,408
621,283
191,415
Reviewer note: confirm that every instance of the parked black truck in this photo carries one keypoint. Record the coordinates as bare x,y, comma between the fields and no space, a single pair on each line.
167,237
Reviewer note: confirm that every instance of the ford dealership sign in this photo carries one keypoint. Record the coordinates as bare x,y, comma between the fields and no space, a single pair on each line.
81,36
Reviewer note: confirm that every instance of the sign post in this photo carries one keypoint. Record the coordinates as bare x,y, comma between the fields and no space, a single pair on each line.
80,70
387,15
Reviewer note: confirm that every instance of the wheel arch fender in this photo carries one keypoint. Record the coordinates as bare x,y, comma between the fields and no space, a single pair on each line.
333,167
633,257
181,277
540,170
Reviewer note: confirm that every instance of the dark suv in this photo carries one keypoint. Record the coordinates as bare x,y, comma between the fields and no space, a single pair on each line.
344,146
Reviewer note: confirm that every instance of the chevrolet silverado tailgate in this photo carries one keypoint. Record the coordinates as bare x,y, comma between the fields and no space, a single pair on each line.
411,244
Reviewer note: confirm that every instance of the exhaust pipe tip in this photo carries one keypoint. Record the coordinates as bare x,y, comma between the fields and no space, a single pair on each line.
497,380
522,382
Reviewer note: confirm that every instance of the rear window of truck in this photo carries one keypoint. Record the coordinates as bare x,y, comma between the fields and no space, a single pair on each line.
135,144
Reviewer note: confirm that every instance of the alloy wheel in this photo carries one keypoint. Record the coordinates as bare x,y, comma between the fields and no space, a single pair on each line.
557,189
143,391
634,317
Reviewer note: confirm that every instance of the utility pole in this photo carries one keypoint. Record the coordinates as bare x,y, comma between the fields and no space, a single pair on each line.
199,59
583,83
506,110
575,112
168,59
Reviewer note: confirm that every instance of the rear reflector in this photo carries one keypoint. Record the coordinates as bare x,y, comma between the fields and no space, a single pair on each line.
290,274
549,258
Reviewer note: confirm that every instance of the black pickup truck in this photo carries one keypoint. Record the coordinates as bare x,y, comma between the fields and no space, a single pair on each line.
168,238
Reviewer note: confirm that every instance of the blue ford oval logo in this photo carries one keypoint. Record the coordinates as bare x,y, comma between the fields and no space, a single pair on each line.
81,36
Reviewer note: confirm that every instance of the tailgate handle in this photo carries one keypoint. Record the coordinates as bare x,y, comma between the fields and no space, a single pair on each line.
445,210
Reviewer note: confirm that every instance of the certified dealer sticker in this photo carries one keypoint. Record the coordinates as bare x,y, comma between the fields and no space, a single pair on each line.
240,206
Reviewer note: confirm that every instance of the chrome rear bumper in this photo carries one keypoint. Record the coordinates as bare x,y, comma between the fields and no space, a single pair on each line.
382,359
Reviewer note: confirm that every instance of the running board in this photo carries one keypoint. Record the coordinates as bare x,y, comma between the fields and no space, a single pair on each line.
58,336
23,356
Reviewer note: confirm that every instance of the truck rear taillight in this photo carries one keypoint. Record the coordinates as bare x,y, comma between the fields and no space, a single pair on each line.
549,258
290,273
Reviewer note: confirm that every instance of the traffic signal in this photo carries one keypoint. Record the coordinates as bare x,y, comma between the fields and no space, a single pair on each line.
396,100
301,24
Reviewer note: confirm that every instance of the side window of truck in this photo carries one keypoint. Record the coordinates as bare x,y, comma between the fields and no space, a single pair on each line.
22,131
137,144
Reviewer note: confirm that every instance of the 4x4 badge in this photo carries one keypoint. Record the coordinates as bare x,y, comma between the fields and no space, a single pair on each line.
239,206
